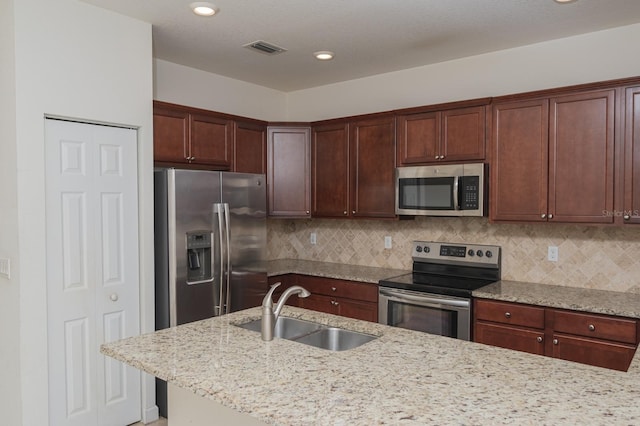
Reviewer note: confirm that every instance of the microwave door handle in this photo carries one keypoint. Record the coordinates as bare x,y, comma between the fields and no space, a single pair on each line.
456,192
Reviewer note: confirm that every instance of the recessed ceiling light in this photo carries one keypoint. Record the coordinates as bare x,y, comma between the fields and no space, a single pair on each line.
324,55
564,1
203,8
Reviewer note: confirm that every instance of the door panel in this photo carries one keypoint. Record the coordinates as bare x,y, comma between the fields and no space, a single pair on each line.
330,170
92,271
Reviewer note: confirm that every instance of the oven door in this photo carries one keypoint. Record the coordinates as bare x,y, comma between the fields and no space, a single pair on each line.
431,313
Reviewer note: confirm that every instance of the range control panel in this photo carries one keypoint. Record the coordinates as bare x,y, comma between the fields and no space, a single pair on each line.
456,253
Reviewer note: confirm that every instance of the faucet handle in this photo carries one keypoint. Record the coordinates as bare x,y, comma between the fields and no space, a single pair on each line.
267,302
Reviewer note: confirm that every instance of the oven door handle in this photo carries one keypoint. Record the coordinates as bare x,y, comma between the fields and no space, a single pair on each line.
424,300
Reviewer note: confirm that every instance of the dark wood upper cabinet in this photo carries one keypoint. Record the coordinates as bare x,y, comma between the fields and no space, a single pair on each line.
289,175
170,135
581,157
437,136
330,170
631,208
372,162
211,140
250,148
519,163
553,159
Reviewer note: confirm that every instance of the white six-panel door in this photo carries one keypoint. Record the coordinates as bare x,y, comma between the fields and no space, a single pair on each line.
92,271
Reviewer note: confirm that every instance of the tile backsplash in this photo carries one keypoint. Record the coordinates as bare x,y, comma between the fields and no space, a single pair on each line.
606,258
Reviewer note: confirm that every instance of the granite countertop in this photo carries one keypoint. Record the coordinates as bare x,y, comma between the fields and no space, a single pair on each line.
578,299
341,271
403,377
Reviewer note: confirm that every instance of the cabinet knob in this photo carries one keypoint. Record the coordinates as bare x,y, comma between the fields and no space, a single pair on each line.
539,339
353,212
307,211
437,157
507,314
555,341
333,289
344,212
626,217
550,216
543,215
114,297
334,303
592,327
442,157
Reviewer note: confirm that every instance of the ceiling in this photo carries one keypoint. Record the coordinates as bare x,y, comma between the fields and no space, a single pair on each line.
368,36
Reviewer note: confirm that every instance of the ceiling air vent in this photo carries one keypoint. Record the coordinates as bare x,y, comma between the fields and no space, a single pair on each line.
264,47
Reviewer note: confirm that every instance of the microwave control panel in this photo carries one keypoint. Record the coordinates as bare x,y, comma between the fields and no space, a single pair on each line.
470,192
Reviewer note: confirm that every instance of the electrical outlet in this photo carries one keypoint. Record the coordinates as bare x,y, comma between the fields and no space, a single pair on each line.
5,268
552,253
314,238
387,242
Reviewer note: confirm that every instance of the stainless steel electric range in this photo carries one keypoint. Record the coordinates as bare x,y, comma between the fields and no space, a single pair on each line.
436,297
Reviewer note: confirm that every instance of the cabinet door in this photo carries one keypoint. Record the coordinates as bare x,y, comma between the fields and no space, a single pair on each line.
211,141
600,353
509,337
288,164
519,149
330,170
418,138
372,150
631,213
365,311
581,157
463,135
170,135
250,148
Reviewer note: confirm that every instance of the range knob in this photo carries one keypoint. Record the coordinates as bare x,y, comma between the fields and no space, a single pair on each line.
419,249
479,253
471,253
426,249
488,253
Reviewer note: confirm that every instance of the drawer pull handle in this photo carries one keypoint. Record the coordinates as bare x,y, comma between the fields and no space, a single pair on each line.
507,314
539,339
592,327
555,341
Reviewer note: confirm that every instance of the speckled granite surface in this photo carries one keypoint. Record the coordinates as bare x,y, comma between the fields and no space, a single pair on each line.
403,377
341,271
579,299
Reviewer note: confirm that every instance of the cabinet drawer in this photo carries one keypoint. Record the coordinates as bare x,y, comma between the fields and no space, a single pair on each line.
339,288
509,313
595,326
504,336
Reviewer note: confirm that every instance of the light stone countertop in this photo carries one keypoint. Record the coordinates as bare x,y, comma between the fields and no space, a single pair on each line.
402,378
368,274
577,299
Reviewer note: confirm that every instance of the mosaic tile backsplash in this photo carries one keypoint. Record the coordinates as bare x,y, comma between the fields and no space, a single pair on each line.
606,258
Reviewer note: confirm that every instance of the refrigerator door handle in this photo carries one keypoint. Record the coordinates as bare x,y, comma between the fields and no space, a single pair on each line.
227,225
218,210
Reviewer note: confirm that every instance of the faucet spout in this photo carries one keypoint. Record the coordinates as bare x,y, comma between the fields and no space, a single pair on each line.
270,315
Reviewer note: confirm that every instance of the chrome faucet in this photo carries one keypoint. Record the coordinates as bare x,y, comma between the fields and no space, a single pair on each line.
270,315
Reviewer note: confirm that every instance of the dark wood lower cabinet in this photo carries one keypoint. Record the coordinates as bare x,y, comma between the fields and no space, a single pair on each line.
351,299
594,339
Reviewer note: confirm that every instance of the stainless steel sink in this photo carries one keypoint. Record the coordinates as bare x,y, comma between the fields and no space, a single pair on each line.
336,339
313,334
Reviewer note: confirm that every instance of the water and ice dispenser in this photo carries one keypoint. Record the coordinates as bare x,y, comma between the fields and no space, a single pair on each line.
199,257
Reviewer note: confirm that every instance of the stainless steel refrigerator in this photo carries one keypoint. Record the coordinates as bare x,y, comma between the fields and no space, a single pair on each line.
210,246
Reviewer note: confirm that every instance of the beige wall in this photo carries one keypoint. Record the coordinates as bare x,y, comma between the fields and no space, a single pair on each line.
589,257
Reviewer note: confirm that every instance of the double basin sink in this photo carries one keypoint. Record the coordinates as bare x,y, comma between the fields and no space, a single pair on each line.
313,334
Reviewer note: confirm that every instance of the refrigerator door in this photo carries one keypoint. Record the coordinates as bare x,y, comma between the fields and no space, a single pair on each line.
193,291
245,196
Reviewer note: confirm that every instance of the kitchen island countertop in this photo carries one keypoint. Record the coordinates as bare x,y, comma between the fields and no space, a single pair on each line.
367,274
403,377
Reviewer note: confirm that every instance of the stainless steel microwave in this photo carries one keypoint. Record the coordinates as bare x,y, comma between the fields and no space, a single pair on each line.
441,190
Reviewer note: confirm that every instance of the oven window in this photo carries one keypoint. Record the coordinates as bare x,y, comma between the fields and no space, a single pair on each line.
422,318
426,193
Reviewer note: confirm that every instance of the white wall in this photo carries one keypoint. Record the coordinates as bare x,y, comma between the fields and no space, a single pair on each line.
10,405
72,60
591,57
188,86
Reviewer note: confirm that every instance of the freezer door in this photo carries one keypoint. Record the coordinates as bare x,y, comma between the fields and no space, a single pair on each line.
194,290
246,197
